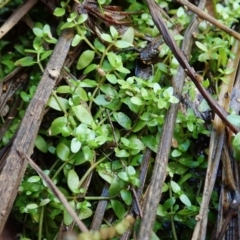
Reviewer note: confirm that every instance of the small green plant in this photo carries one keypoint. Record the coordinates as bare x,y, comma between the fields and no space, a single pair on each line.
104,122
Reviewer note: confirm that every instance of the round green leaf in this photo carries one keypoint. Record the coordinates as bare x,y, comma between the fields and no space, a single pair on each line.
75,145
126,196
123,176
234,119
33,179
76,40
85,212
73,181
201,46
136,100
63,151
58,103
44,202
57,125
59,12
41,144
116,186
85,59
118,208
67,219
176,153
175,187
122,44
123,120
185,200
38,32
128,36
106,37
25,62
32,206
82,114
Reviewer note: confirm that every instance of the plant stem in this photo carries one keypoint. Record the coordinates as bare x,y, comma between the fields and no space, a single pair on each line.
40,224
91,169
172,218
59,103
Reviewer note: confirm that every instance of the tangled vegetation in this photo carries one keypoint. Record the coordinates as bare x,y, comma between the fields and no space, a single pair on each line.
110,108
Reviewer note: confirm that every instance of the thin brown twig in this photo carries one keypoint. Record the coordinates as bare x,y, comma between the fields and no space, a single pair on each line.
209,18
55,191
157,18
161,161
16,16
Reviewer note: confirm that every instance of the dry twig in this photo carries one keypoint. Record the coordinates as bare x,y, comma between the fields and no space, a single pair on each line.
14,166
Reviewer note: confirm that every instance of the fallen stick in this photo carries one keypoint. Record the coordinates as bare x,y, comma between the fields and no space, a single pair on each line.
161,160
16,16
14,167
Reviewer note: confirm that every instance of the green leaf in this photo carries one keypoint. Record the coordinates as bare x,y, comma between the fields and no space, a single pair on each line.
33,179
123,120
118,208
25,62
88,83
111,78
161,212
67,219
57,125
107,176
113,32
47,30
168,203
124,176
108,90
68,25
175,187
131,170
82,18
116,186
76,40
122,69
88,153
128,35
38,32
58,103
41,144
176,153
99,46
201,46
62,151
85,59
114,60
75,145
45,55
236,141
126,196
136,100
64,89
73,181
85,212
151,142
90,68
25,97
234,119
121,153
31,206
185,200
44,202
82,114
106,37
59,12
122,44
